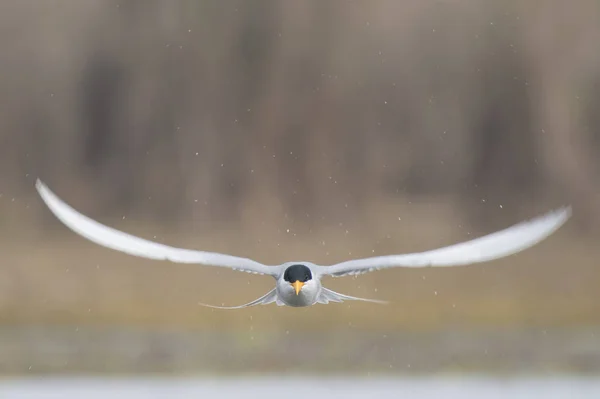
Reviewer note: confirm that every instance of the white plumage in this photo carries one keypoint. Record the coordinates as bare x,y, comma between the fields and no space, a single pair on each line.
306,275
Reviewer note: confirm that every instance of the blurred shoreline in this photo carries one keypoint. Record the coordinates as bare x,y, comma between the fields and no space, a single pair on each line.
62,350
430,387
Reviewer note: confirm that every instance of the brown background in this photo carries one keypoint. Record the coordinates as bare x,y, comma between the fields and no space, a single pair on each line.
312,130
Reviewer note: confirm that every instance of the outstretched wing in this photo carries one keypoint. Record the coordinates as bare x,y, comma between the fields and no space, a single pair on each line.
328,295
493,246
266,299
120,241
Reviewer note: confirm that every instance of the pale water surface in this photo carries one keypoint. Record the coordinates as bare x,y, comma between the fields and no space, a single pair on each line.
304,387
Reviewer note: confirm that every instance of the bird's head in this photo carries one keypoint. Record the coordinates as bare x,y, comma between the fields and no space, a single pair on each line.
297,275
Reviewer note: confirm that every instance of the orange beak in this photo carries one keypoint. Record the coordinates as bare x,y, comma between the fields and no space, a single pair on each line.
297,286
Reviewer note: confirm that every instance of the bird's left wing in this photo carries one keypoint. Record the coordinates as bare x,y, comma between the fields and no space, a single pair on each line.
493,246
120,241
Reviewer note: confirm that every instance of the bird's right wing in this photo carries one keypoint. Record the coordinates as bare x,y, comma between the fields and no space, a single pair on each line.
123,242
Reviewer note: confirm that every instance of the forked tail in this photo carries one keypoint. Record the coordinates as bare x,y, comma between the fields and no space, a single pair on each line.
266,299
328,295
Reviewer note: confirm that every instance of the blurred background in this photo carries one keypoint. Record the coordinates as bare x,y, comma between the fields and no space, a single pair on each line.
313,130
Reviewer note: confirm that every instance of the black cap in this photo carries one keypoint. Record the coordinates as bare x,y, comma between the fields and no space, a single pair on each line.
298,272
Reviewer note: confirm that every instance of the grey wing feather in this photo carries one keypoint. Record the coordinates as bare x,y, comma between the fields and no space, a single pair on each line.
120,241
266,299
493,246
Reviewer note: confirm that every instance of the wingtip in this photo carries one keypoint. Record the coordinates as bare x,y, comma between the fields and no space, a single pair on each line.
39,184
562,214
565,211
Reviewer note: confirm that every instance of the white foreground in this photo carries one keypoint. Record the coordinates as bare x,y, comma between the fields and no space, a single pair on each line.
303,387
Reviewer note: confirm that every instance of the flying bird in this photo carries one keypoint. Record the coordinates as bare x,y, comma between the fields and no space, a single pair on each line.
299,284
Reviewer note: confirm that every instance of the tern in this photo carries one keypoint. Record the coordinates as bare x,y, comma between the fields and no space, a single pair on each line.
298,284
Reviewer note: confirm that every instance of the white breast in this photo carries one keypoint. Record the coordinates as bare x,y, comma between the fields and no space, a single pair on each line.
307,296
